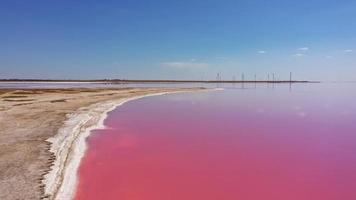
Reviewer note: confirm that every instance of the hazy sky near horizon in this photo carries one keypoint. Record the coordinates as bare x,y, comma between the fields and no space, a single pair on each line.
170,39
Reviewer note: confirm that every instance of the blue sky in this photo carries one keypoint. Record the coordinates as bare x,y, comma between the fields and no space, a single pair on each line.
163,39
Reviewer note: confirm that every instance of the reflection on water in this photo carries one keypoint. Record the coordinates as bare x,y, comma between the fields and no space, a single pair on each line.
247,143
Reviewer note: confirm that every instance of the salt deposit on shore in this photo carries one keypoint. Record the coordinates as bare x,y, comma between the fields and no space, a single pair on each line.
69,146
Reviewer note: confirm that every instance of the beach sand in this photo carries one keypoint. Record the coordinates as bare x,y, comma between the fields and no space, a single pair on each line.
30,118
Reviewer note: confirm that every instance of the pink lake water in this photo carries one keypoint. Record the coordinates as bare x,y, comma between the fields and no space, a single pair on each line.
269,143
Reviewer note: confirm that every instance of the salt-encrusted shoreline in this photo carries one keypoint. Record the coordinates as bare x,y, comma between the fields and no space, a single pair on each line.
69,146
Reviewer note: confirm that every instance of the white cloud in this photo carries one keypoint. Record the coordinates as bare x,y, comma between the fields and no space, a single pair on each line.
262,52
303,49
348,50
328,57
299,55
184,65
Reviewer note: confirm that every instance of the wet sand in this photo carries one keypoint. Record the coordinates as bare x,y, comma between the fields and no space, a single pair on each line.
28,118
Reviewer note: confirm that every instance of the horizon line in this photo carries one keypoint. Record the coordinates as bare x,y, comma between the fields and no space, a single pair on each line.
156,81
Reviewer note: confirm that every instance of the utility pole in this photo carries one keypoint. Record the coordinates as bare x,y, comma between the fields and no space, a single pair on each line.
255,81
290,81
217,79
243,81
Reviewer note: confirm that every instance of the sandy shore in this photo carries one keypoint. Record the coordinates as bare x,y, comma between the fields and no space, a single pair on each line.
38,158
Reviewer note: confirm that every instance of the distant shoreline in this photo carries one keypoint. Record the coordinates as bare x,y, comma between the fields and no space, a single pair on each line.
123,81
